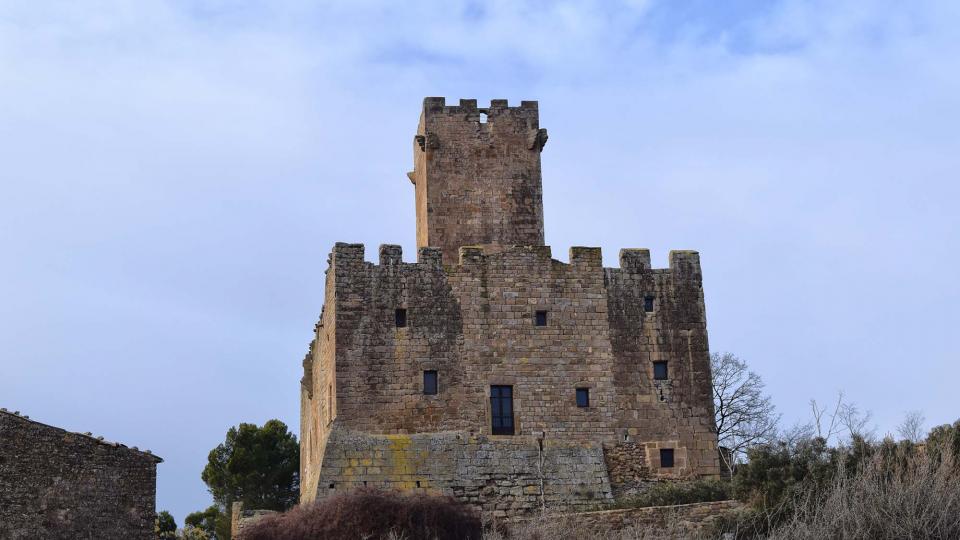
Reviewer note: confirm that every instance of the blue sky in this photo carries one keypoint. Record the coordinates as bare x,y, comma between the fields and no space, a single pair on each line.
173,175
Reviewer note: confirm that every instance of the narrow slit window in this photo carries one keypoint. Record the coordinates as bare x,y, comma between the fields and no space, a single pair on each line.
583,397
648,304
660,372
329,404
430,382
541,318
666,458
401,317
501,410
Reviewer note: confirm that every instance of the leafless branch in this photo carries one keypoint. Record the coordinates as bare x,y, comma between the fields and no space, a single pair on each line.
745,416
911,428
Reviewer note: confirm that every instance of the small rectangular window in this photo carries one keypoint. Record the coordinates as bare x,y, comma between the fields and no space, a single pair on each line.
501,410
648,303
583,397
401,318
666,458
430,382
660,372
541,318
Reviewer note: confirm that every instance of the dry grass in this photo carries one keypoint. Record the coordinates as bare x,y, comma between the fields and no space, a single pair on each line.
901,495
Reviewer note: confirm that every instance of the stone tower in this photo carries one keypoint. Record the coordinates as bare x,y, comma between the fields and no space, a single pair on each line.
477,175
490,371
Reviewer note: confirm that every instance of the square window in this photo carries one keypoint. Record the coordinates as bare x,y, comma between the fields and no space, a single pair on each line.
401,318
648,304
583,397
660,372
430,382
666,458
541,318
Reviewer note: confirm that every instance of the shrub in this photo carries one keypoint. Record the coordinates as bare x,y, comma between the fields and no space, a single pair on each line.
373,514
558,527
896,494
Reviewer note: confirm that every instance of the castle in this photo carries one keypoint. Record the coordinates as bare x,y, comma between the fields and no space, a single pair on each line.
490,371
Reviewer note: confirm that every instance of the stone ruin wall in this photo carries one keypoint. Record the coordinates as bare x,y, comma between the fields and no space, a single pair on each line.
55,484
473,322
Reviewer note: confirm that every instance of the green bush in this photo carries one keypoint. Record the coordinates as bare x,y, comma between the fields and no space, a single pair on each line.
671,493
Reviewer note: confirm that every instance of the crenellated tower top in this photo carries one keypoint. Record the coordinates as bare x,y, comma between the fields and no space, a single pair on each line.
477,175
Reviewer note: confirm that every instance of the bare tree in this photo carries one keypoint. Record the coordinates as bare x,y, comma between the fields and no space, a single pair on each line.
745,415
911,428
796,434
845,418
856,422
826,430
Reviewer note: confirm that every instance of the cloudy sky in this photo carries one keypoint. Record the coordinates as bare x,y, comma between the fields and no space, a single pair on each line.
174,173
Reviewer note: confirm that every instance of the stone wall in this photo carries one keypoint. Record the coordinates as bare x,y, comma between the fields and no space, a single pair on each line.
686,519
60,485
500,475
627,467
242,519
318,393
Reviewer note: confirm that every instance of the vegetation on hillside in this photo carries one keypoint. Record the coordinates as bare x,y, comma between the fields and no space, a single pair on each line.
256,465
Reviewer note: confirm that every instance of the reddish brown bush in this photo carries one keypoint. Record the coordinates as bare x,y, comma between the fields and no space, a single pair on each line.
373,514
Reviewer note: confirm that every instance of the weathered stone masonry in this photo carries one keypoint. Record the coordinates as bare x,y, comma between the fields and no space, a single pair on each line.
471,316
55,484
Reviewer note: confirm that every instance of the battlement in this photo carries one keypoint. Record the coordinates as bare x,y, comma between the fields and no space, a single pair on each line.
438,105
632,260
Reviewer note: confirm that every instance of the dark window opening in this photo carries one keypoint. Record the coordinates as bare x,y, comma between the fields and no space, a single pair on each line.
648,303
541,318
401,318
430,382
666,458
583,397
660,372
418,483
331,485
501,410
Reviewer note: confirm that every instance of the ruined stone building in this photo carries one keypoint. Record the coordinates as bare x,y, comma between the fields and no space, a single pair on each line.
487,369
55,484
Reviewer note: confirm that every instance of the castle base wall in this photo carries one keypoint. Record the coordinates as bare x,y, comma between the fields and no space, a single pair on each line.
502,476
